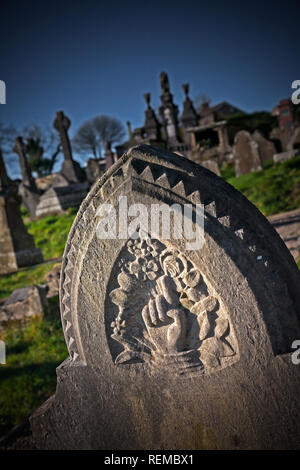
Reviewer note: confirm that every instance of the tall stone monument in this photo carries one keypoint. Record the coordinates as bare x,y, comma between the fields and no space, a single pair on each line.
71,169
151,125
17,248
28,189
169,111
189,115
174,346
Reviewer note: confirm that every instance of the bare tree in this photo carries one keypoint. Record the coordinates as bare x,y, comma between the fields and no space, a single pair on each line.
42,148
92,135
86,139
201,100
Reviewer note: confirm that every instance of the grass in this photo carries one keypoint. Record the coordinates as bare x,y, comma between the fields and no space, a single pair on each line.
273,190
25,278
50,233
28,378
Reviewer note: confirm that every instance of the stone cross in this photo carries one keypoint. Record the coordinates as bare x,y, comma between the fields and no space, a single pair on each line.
17,248
4,179
70,170
27,189
172,345
27,178
62,124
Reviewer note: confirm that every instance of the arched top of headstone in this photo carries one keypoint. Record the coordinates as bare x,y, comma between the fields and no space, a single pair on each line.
235,296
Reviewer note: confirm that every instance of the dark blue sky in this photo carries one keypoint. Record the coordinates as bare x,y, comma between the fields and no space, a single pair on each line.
90,58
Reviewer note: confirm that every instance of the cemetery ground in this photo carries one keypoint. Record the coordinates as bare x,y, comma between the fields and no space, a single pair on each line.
36,349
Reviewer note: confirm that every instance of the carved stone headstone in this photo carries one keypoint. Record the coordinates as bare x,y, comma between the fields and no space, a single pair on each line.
245,154
71,169
27,189
266,148
17,248
170,347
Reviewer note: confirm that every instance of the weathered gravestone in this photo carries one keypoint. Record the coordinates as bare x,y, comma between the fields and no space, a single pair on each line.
27,189
59,198
94,169
211,165
17,248
266,148
245,154
108,154
170,347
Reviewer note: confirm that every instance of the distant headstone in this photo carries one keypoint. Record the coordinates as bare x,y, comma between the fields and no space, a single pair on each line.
294,141
266,148
173,347
27,189
71,169
24,303
211,165
109,156
94,168
245,154
17,248
284,156
59,198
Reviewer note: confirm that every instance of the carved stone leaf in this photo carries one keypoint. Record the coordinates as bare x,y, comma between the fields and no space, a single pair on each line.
194,294
118,297
214,347
208,304
192,278
126,356
125,281
205,326
222,327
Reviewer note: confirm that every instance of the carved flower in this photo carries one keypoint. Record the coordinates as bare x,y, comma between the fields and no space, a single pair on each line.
147,270
134,247
135,268
118,325
154,247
